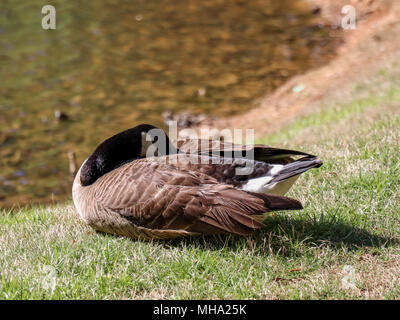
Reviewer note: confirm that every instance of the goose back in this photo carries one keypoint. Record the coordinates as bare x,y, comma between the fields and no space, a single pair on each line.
151,198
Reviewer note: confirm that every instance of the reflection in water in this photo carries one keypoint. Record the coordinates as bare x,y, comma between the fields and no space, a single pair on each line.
112,64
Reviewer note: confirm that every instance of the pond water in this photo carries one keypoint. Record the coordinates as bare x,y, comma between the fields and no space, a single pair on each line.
111,65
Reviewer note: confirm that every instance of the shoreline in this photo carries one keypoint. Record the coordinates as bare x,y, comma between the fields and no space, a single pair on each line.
312,90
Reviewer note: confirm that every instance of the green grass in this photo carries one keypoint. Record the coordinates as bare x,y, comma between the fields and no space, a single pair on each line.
344,244
333,116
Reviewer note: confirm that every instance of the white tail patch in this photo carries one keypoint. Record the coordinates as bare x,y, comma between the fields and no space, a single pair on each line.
261,184
257,184
276,168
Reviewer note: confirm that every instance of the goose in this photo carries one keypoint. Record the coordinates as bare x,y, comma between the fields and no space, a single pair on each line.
120,189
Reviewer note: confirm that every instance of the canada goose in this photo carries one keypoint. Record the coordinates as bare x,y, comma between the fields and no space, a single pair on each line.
173,194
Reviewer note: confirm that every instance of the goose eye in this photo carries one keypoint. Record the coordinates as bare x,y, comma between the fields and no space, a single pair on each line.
155,139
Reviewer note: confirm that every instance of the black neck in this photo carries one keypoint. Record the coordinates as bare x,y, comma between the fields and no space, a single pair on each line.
115,151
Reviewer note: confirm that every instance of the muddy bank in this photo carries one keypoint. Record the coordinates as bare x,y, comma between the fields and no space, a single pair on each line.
373,45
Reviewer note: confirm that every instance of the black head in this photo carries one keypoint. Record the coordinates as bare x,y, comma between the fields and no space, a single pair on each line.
124,147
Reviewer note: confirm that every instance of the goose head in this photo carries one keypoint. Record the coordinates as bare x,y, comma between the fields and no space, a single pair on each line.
139,142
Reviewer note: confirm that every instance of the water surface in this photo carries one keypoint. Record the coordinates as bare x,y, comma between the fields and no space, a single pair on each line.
111,65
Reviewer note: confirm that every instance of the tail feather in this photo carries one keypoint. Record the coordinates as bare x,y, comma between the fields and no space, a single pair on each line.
275,202
295,168
239,212
273,155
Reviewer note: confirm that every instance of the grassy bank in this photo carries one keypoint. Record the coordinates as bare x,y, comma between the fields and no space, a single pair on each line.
344,244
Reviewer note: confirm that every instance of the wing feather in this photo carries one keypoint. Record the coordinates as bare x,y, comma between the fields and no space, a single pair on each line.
160,196
224,149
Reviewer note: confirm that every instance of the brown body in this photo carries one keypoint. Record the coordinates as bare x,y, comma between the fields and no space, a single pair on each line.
149,198
174,195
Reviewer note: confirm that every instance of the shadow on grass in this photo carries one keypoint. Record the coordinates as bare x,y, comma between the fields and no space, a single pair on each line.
289,236
285,236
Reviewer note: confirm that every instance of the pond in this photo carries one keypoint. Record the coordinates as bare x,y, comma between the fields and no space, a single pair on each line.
111,65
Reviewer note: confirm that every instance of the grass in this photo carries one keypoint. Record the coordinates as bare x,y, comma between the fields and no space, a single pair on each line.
343,245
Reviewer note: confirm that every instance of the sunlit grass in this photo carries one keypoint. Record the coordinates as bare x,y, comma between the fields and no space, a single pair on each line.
333,116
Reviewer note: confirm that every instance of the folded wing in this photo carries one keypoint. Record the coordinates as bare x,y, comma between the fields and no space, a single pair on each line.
227,149
161,197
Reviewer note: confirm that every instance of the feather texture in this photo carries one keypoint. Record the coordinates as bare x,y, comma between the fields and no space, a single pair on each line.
199,187
152,199
219,148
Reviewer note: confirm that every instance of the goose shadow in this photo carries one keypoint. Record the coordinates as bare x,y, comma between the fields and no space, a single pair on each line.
285,235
